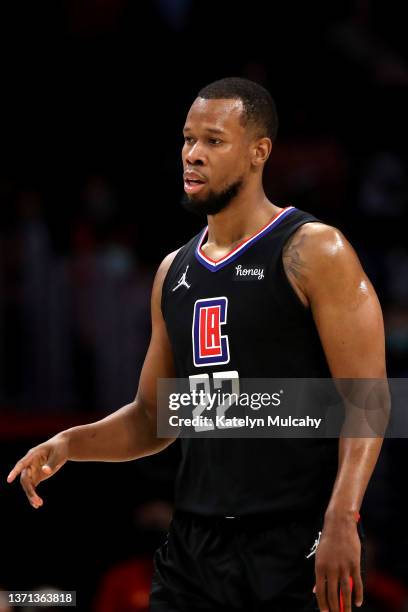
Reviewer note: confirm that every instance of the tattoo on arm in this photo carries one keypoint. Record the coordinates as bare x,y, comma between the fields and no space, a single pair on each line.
293,262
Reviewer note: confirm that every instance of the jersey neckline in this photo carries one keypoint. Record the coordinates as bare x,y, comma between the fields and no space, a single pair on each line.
214,265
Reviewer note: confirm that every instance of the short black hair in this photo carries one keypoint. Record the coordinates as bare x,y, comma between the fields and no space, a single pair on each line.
259,106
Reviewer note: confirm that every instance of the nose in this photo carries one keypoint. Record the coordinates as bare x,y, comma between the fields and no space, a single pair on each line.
194,154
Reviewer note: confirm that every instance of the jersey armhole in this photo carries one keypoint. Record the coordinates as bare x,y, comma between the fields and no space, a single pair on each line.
181,252
166,281
291,293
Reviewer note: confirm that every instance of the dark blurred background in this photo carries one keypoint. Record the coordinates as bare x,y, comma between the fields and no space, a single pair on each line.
94,94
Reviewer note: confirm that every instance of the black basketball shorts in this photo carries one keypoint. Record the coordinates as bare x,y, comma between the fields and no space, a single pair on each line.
252,564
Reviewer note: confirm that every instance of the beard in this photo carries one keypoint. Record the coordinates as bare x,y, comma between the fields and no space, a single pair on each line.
214,202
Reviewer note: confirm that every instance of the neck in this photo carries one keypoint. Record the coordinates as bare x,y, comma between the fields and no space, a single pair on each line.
246,214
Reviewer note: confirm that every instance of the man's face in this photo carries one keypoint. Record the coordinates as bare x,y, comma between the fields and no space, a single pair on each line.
215,154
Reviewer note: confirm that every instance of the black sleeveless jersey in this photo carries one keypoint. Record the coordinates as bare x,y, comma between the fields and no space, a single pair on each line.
241,313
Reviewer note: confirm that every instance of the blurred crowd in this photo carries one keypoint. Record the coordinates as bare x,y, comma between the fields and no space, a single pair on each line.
89,205
75,324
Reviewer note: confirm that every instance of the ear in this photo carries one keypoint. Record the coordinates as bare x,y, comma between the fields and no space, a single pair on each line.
261,150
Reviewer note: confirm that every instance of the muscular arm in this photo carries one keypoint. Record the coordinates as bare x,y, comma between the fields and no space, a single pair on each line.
126,434
328,278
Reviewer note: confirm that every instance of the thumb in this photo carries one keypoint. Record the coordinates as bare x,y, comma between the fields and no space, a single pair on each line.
51,464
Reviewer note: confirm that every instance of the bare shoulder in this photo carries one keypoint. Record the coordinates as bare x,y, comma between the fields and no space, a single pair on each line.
317,241
317,252
166,263
161,275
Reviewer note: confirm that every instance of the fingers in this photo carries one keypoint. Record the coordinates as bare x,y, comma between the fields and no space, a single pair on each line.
38,464
47,469
358,587
345,594
327,592
30,469
17,469
333,592
37,459
26,480
321,592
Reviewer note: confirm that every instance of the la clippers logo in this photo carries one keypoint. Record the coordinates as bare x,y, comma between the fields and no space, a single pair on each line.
210,347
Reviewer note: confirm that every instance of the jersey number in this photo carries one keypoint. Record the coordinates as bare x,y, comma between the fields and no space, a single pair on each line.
219,378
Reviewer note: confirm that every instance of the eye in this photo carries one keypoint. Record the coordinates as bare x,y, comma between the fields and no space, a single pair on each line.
214,141
188,139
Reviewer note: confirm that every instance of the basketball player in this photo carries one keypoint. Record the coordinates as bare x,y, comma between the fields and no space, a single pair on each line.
258,524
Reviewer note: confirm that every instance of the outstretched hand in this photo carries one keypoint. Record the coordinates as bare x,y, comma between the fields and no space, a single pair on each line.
40,463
